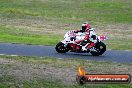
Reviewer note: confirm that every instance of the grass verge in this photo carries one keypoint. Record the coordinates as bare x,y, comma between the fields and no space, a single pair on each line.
28,72
15,35
52,84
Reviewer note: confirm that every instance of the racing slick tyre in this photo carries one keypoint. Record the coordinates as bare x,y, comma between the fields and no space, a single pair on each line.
100,49
60,48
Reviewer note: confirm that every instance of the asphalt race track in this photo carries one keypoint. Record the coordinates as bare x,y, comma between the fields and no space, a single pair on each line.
49,51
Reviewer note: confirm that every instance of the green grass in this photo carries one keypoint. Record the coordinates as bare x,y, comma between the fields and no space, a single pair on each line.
15,35
119,43
118,11
68,63
44,40
52,84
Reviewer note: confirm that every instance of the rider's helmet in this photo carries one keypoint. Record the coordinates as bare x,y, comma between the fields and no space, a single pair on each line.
85,27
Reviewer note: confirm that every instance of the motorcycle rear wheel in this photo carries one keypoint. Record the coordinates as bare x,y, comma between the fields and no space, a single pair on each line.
60,48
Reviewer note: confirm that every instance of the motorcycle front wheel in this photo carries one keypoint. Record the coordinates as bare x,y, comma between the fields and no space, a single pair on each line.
100,49
60,48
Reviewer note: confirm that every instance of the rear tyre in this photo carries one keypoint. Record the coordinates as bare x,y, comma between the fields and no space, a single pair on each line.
60,48
100,49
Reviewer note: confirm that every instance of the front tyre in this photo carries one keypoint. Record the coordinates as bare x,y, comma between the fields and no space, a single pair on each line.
60,48
100,49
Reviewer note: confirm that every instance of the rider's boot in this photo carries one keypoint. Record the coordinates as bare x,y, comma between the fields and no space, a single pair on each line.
88,46
84,48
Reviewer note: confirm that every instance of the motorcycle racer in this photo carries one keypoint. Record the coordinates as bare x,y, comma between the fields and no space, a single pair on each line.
84,40
90,36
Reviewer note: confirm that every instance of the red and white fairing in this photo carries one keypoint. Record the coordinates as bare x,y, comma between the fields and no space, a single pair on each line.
69,34
81,36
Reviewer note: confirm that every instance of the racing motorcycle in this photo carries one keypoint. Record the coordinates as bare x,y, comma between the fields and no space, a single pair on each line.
69,44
